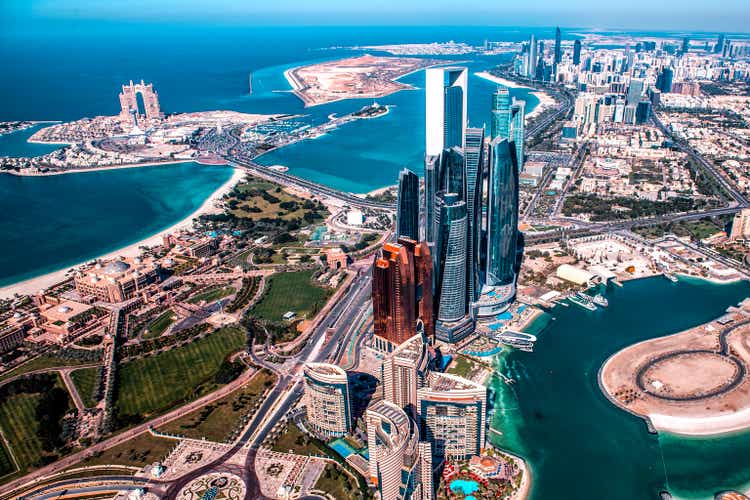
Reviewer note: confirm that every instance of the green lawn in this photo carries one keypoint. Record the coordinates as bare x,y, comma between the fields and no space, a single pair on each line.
216,421
156,383
158,325
461,366
18,421
298,442
212,295
84,380
338,484
41,362
6,462
290,292
141,450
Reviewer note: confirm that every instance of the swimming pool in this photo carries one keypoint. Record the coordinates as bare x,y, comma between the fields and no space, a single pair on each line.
465,486
342,447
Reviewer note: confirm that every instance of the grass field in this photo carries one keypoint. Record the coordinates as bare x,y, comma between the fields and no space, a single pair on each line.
85,379
461,366
338,484
18,421
158,325
289,292
257,207
154,384
212,295
298,442
216,421
6,462
142,450
41,362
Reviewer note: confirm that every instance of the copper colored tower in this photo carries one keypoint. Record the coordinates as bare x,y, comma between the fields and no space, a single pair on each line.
402,290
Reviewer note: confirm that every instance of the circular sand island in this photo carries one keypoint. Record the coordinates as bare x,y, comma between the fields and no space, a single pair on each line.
695,382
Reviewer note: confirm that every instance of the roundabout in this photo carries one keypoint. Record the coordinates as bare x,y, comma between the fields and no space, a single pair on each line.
214,486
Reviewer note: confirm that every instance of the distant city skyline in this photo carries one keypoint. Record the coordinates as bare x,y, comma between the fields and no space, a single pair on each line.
733,16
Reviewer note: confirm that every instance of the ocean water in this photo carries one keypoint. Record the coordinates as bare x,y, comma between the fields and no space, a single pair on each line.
15,143
53,222
579,445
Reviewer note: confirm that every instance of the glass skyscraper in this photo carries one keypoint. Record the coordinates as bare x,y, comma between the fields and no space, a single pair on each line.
577,52
501,103
502,214
558,46
407,205
474,161
518,131
451,258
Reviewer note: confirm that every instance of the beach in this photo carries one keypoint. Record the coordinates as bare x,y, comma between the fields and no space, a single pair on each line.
545,100
34,285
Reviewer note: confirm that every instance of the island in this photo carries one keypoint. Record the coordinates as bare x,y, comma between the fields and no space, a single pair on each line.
692,383
365,76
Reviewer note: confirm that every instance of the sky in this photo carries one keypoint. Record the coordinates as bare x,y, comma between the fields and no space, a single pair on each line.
671,15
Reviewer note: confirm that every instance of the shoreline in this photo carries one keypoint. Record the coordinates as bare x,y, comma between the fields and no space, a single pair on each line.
545,100
33,285
99,169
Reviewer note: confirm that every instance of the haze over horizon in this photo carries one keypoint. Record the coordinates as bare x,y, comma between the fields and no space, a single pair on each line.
671,15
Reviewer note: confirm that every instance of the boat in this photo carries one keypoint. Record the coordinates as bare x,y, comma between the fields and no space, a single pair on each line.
583,300
600,300
671,277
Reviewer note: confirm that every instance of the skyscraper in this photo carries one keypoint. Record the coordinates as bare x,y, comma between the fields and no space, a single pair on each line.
719,47
531,68
558,46
664,80
404,371
396,465
452,416
508,118
500,124
474,162
685,45
518,129
401,292
502,215
577,52
326,399
446,113
407,205
634,92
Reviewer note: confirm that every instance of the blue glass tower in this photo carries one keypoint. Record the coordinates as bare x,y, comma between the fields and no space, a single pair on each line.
451,258
502,214
407,205
474,161
501,113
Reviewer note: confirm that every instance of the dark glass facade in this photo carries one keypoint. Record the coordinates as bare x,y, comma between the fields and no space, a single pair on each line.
502,214
407,205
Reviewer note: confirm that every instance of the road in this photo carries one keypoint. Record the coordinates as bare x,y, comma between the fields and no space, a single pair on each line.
125,436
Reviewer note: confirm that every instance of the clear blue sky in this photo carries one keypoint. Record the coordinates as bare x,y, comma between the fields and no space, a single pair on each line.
696,15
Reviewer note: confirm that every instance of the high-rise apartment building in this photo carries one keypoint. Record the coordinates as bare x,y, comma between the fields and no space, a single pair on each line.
326,399
558,46
404,371
452,416
532,58
397,468
401,292
577,52
407,205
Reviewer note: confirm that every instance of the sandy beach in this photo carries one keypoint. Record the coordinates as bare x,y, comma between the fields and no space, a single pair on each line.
98,169
545,100
34,285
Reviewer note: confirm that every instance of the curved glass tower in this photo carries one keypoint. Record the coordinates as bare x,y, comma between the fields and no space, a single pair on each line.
451,258
502,214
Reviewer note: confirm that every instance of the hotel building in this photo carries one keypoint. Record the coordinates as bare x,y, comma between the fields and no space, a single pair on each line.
401,292
404,371
452,416
398,466
326,399
116,280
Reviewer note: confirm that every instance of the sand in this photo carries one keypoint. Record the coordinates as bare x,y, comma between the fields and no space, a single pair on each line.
545,100
34,285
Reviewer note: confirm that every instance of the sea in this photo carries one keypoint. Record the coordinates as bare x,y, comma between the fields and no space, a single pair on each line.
578,445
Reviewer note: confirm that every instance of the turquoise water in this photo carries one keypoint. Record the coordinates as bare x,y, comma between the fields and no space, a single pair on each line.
342,447
53,222
465,486
556,416
14,144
